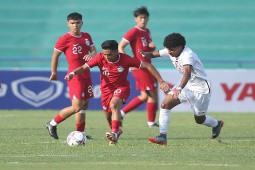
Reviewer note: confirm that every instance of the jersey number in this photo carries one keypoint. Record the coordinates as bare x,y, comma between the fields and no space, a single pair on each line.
77,49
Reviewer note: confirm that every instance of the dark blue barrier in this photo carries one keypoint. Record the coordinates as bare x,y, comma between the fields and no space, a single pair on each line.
33,90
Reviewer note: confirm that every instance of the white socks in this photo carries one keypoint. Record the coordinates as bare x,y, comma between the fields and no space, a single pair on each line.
53,123
210,122
122,113
164,120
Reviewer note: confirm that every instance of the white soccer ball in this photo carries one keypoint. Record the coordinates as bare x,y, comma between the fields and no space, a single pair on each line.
76,138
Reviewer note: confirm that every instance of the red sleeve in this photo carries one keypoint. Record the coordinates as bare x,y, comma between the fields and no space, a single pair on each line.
133,62
89,38
61,44
94,61
130,35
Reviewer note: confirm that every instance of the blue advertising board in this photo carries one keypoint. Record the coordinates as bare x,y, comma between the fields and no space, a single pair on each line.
33,90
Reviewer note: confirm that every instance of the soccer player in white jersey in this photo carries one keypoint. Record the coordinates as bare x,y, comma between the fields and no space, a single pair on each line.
193,87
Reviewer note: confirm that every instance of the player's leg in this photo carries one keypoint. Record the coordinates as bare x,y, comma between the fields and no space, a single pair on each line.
200,103
80,118
164,119
152,104
115,105
61,116
141,86
117,98
134,103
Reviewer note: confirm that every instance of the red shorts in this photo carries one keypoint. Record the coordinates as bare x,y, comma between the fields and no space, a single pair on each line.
144,80
107,95
80,89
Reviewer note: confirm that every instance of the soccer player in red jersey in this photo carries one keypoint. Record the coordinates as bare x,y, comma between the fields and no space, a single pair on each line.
78,48
115,88
139,37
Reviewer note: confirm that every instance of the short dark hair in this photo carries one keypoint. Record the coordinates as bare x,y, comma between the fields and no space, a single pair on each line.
110,45
74,16
174,40
141,11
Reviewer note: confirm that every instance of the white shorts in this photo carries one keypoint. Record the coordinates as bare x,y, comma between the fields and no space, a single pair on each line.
199,102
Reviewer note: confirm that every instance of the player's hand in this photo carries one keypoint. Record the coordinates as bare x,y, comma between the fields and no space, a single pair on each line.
164,86
176,93
69,76
87,57
53,77
144,54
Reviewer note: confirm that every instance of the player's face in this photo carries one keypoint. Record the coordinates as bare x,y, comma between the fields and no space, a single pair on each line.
141,21
175,51
111,55
75,26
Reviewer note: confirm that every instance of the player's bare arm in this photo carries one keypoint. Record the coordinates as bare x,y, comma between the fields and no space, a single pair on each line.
149,54
54,65
185,78
121,47
163,85
92,53
78,70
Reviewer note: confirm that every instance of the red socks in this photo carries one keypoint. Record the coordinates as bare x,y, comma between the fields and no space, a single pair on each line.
115,126
58,119
151,109
80,127
132,105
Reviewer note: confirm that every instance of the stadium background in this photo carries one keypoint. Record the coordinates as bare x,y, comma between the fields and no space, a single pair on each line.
220,32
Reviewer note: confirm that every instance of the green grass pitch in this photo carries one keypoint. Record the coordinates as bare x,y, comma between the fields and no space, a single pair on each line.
26,145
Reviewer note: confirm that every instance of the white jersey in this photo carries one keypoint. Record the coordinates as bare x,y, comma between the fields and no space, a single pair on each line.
198,81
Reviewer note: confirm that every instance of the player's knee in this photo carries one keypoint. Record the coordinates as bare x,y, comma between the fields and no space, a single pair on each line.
113,106
200,119
165,106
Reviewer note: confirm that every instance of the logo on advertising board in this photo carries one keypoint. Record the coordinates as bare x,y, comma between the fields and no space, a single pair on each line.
36,91
3,90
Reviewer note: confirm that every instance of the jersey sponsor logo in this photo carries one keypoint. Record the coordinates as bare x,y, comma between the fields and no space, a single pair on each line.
104,108
87,42
105,71
36,91
120,69
3,90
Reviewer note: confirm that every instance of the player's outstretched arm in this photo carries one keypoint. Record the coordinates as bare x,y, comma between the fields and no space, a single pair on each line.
78,70
163,85
149,54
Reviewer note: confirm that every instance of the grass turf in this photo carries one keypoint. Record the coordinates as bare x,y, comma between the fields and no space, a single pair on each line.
25,143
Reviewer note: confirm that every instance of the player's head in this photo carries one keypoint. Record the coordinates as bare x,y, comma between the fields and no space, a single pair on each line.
141,11
174,43
74,22
110,45
141,17
74,16
110,50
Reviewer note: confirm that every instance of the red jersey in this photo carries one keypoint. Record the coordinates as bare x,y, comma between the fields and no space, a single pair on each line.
139,39
75,48
114,75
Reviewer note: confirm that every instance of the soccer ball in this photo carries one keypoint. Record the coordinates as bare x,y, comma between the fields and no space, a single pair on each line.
76,138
